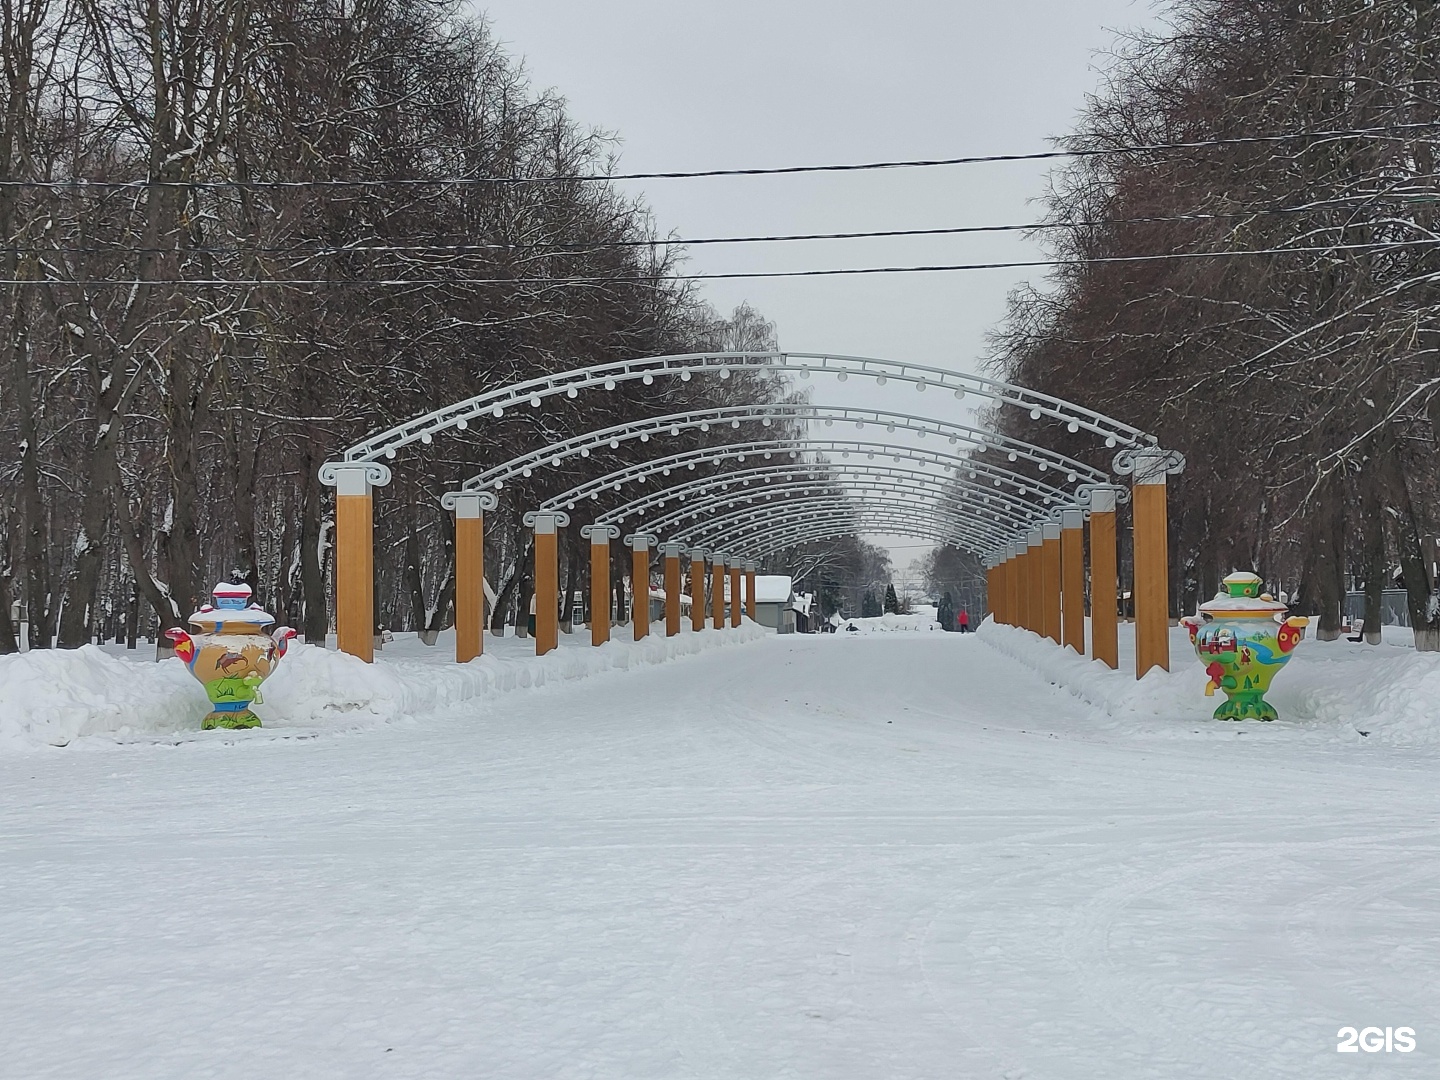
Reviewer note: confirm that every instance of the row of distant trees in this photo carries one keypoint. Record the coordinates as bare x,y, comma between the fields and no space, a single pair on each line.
1302,383
234,247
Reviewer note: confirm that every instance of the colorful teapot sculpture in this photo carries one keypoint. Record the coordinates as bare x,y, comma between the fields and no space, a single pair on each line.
231,655
1243,639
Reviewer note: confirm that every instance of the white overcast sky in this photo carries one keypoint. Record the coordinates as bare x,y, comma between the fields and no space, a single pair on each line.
755,83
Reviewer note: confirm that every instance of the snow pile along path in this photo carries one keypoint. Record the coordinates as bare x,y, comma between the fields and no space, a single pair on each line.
922,620
1332,689
51,697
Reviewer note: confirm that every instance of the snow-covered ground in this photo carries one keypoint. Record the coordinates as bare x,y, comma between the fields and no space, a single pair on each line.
867,855
50,698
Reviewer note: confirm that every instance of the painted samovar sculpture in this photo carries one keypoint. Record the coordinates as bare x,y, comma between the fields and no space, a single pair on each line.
1243,638
231,655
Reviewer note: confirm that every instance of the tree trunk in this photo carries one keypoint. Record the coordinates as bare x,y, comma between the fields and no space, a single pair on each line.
1329,573
1372,542
8,641
1414,560
572,581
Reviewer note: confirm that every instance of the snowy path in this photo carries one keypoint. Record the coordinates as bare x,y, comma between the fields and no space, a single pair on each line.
808,857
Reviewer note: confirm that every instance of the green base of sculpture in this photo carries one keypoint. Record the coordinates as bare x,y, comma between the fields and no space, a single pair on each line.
1246,707
231,720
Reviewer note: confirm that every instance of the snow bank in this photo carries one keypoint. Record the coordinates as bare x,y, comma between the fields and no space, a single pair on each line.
52,697
1330,690
923,621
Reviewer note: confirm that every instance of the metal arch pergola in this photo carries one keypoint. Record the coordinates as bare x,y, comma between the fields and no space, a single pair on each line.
767,415
754,537
362,469
787,451
685,366
760,479
1007,524
731,532
959,469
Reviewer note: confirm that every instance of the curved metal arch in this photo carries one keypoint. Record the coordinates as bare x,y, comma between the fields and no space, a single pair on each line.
759,545
729,529
494,479
824,530
745,480
937,489
790,457
765,537
686,365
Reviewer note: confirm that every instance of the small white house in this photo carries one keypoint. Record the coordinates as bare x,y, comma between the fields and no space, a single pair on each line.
775,602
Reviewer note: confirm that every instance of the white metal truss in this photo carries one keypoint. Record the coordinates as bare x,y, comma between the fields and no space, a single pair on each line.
729,528
765,538
830,454
533,393
937,489
767,415
702,495
824,529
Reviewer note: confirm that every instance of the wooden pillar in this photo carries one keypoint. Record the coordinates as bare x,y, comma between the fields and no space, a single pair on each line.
354,483
1013,585
750,590
717,590
1152,561
697,588
1104,580
469,511
1035,581
1072,579
640,584
992,572
600,599
735,592
547,579
672,588
1050,572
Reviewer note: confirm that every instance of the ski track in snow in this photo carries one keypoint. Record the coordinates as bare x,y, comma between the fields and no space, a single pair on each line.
840,856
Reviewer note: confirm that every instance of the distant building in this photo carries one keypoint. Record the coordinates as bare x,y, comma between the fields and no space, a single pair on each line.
775,602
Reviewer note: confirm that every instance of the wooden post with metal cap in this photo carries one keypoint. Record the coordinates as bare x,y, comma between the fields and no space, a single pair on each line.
354,483
547,577
672,550
1014,584
1072,579
697,588
1050,571
1148,468
1104,579
469,508
600,601
1021,552
735,610
1035,581
717,590
640,583
750,567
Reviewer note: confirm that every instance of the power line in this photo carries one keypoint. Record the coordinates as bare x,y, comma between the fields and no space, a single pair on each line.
577,248
651,281
1389,131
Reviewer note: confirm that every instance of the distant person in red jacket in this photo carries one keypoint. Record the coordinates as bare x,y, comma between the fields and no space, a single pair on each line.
964,620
